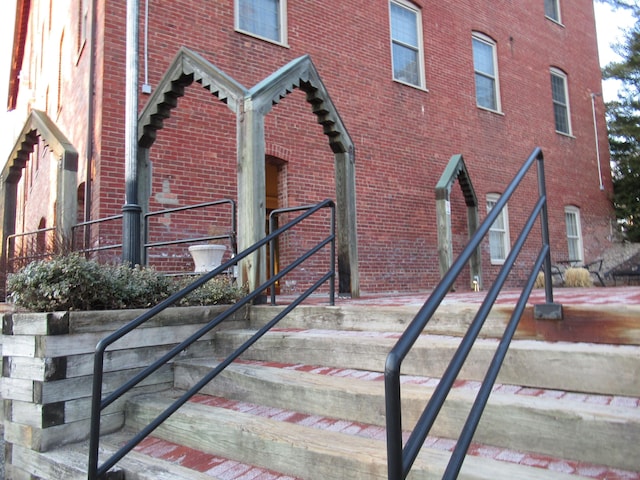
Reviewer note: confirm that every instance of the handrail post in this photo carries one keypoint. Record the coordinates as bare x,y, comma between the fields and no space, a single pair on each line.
544,223
332,261
96,410
272,260
394,417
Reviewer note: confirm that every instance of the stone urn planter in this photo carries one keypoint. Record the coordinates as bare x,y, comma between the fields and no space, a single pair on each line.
207,257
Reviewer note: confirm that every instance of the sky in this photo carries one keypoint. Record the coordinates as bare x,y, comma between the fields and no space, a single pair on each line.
609,24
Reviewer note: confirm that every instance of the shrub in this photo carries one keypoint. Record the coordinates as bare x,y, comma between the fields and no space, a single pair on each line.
577,277
71,282
218,291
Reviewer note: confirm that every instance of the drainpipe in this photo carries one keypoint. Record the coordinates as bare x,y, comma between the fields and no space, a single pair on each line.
90,124
131,210
595,129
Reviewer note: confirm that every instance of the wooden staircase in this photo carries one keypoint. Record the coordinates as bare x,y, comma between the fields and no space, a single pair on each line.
307,402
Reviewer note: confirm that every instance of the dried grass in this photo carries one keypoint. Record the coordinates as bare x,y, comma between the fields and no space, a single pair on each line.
577,277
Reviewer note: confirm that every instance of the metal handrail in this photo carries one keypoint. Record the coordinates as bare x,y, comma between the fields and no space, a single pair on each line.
272,246
11,243
400,460
89,224
98,404
231,235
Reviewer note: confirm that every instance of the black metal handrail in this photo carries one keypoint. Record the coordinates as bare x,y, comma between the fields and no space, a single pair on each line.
273,216
89,224
95,471
231,235
400,460
11,258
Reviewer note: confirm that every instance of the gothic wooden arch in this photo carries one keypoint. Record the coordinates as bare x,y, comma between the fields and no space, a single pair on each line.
250,107
39,126
456,170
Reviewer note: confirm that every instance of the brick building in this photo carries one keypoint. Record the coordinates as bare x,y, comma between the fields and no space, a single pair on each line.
413,83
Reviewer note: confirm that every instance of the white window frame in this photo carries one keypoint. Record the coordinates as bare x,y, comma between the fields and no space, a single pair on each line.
574,238
419,48
282,23
497,232
561,103
493,76
555,14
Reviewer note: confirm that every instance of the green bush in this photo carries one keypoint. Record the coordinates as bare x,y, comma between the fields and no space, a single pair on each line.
71,282
218,291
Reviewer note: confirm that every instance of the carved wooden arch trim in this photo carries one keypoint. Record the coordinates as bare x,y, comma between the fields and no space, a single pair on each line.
301,73
187,67
456,170
39,126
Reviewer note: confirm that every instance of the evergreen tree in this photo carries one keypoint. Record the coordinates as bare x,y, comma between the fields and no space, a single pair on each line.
623,119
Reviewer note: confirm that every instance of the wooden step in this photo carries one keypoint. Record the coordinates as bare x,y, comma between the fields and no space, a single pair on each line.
571,427
607,322
70,463
307,452
577,367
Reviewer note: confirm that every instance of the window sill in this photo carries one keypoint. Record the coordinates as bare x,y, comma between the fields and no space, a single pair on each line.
490,110
567,135
417,87
264,39
553,20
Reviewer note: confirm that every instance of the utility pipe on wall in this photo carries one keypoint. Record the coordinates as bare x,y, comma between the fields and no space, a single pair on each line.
131,210
595,130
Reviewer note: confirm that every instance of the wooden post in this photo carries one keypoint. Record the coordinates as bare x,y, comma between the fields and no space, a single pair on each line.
346,224
252,270
445,244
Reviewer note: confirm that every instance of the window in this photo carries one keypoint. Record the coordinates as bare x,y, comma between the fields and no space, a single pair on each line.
263,18
560,98
552,10
406,44
574,233
499,242
83,19
485,66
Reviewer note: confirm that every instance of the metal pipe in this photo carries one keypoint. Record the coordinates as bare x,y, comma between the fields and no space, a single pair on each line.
595,131
131,210
90,125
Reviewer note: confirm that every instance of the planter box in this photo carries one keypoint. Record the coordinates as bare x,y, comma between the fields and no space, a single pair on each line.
48,367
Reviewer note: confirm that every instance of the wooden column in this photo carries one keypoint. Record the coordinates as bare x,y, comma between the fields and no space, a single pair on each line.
445,243
252,271
347,245
66,196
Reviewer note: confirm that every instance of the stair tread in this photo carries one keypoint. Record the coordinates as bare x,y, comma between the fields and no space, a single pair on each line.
541,424
344,449
70,462
603,369
470,386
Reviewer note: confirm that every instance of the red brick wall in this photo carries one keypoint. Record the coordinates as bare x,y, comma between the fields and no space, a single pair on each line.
404,136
